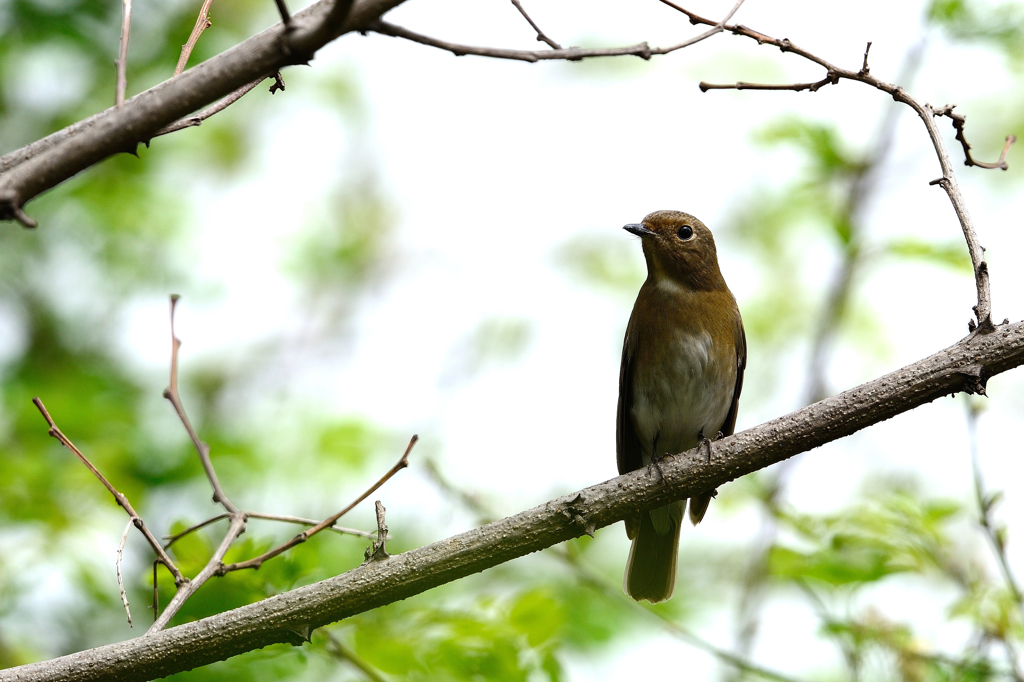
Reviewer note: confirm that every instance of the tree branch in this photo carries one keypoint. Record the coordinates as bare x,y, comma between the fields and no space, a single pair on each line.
119,497
121,63
290,617
27,172
983,310
256,562
202,23
572,54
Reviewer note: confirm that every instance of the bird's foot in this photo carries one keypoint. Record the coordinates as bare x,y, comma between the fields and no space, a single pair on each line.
705,445
656,465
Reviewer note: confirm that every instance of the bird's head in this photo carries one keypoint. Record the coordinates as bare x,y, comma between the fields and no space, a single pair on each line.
679,247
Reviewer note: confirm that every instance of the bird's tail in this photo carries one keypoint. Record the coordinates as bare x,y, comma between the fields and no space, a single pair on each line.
651,567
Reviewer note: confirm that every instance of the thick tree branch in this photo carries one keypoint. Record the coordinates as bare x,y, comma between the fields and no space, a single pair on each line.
35,168
290,617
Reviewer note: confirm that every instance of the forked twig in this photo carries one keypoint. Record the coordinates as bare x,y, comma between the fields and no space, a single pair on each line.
202,23
121,63
162,556
541,37
983,310
326,523
642,50
171,393
185,591
341,530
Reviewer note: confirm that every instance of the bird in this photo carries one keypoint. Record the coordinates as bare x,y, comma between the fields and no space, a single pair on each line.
680,379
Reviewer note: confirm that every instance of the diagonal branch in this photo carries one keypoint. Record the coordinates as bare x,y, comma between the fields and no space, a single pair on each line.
572,54
121,63
965,366
27,172
171,393
202,23
256,562
161,555
541,37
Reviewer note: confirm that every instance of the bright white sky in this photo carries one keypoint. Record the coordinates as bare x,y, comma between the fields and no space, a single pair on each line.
494,165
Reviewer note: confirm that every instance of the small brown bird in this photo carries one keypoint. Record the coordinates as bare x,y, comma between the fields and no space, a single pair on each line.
680,380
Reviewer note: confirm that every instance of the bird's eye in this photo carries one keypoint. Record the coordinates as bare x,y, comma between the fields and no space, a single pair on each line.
685,232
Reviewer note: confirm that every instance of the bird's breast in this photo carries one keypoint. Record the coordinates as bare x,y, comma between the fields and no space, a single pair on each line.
682,386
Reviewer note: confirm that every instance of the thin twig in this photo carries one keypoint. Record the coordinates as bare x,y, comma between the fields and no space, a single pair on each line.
171,539
341,530
326,523
117,567
298,520
983,310
171,393
341,652
541,37
121,63
197,119
156,592
959,121
642,50
211,569
286,17
179,579
202,23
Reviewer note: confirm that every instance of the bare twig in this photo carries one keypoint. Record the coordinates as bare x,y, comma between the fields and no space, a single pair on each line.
179,579
117,567
171,393
156,592
341,652
211,569
171,539
326,523
377,551
642,50
796,87
121,63
959,121
286,17
197,119
983,310
341,530
120,498
541,37
202,23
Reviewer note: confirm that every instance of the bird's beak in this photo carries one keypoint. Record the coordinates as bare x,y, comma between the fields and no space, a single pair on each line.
639,230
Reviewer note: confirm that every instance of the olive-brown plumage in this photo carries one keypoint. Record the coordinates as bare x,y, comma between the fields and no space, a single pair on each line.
682,371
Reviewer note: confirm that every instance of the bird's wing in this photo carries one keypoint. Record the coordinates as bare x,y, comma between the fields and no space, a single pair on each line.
627,445
740,338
